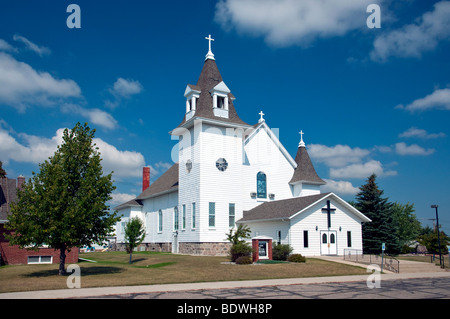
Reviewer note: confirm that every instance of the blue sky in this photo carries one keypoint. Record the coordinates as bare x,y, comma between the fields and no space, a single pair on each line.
368,100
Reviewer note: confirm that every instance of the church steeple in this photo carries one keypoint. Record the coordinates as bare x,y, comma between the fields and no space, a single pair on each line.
304,172
210,98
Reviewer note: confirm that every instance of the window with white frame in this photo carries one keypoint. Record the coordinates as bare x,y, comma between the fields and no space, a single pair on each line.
160,221
183,217
193,216
231,214
176,219
40,259
212,214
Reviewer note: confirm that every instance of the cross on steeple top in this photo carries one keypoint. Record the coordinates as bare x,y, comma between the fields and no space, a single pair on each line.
261,119
301,144
209,55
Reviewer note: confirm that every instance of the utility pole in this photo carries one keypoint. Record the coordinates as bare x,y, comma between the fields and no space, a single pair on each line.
439,239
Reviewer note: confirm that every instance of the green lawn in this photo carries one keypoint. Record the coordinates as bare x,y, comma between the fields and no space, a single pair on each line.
112,269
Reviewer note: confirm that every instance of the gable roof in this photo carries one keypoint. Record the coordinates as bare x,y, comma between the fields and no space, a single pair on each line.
262,125
166,183
305,172
209,78
288,208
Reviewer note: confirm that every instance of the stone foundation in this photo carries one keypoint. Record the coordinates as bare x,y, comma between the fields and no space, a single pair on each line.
202,249
205,249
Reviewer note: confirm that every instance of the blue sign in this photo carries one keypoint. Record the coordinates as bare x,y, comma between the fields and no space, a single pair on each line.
383,246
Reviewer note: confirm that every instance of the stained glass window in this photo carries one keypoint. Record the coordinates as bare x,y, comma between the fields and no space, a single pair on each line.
261,185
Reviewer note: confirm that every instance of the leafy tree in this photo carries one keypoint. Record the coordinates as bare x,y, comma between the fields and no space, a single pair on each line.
241,233
408,226
382,228
2,171
430,240
237,238
64,205
134,234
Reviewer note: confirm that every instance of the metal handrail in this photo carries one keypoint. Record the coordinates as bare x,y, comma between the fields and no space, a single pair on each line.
357,255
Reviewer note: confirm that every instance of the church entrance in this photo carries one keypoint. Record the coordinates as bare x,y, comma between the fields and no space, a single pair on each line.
328,240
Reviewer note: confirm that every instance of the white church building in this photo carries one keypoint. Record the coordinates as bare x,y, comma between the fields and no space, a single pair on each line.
230,172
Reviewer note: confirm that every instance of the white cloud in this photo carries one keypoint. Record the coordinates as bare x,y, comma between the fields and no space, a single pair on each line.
36,149
40,50
126,88
414,149
339,187
21,85
420,133
292,22
95,116
439,99
5,46
361,170
123,163
336,156
413,39
32,149
120,198
123,89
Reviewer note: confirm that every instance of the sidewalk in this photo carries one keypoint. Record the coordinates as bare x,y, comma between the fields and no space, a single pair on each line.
103,291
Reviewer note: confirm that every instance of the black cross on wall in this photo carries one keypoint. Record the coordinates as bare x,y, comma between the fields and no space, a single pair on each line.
328,210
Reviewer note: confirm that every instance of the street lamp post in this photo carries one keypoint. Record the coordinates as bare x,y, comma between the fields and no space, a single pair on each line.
439,239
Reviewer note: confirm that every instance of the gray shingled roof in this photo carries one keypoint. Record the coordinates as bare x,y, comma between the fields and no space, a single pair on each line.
209,78
305,171
280,209
165,183
8,195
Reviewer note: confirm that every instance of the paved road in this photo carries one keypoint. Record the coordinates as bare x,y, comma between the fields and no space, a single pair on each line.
416,288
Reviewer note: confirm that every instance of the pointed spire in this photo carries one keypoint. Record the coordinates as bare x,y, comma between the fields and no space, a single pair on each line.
304,172
209,55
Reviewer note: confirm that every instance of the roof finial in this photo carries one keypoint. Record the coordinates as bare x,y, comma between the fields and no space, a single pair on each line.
209,55
301,144
261,119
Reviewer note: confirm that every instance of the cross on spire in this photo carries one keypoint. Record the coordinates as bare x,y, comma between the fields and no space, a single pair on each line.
209,55
301,144
261,119
328,210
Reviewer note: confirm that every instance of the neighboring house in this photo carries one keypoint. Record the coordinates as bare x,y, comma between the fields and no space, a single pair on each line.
12,255
230,172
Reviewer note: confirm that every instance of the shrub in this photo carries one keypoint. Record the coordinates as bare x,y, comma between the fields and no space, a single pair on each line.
240,249
281,252
244,260
296,258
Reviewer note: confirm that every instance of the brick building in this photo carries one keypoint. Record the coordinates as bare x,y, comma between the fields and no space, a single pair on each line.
13,255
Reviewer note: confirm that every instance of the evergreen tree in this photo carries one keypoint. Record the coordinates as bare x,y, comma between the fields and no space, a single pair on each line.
382,228
64,205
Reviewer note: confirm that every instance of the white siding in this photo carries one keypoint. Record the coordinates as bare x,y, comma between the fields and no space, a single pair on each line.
263,155
341,222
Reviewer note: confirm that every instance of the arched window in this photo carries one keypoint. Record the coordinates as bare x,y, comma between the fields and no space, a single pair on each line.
332,240
324,238
261,185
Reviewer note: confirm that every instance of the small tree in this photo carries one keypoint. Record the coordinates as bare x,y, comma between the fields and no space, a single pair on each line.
64,205
237,238
134,234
